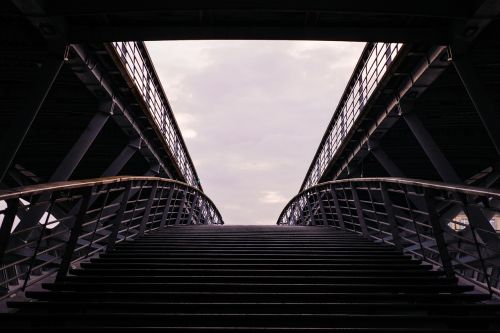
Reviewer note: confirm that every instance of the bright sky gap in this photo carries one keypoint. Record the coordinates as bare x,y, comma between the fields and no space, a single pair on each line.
253,114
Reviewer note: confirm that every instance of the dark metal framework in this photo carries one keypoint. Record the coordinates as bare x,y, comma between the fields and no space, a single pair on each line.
371,69
413,215
87,217
139,67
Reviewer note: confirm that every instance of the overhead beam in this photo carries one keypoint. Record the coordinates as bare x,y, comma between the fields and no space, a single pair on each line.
386,162
121,160
425,8
431,149
92,33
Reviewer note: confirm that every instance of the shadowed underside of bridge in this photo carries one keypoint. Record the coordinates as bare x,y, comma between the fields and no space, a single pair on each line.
249,279
81,101
358,20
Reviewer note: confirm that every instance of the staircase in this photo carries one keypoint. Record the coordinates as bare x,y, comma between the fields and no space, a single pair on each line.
253,279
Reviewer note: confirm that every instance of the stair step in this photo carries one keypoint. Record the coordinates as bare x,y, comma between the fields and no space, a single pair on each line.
248,320
238,296
253,279
282,279
261,272
276,287
256,307
196,259
344,266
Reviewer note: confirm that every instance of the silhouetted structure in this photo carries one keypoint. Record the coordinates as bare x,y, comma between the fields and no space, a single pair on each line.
404,178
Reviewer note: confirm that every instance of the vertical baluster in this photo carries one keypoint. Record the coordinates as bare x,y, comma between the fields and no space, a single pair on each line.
74,234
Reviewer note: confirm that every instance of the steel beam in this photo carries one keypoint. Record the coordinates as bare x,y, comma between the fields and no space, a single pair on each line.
359,211
147,211
385,161
167,207
438,237
70,162
181,209
126,195
431,149
81,146
14,136
122,159
6,226
73,237
337,208
391,217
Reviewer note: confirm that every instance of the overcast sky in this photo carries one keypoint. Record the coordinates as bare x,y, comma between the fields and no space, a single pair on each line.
252,114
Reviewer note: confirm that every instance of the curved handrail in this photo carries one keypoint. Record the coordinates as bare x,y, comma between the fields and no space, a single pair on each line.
73,184
47,227
448,225
467,189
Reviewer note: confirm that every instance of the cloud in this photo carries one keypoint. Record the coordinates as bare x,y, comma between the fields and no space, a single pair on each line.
189,133
272,197
253,114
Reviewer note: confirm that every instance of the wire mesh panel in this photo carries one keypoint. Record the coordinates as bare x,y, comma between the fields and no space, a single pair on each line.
77,219
135,59
453,227
370,71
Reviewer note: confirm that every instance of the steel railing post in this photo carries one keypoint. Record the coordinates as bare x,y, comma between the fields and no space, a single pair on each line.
359,210
147,211
391,217
119,217
438,233
9,217
73,237
337,208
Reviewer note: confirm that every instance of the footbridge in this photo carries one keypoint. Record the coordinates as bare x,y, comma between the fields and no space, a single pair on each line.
105,225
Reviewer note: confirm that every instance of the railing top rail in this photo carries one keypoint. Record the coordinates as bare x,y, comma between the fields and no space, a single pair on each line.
75,184
465,189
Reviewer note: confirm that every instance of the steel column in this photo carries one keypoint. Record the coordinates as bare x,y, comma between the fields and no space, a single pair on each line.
7,224
337,208
321,208
119,217
439,237
391,217
74,235
14,136
311,212
167,208
359,211
431,149
181,208
145,218
193,205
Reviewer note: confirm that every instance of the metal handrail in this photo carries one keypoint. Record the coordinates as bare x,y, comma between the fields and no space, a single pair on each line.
86,217
373,65
447,225
138,66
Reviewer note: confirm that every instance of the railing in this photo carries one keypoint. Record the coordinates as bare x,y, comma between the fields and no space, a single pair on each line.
136,61
451,226
83,218
369,72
